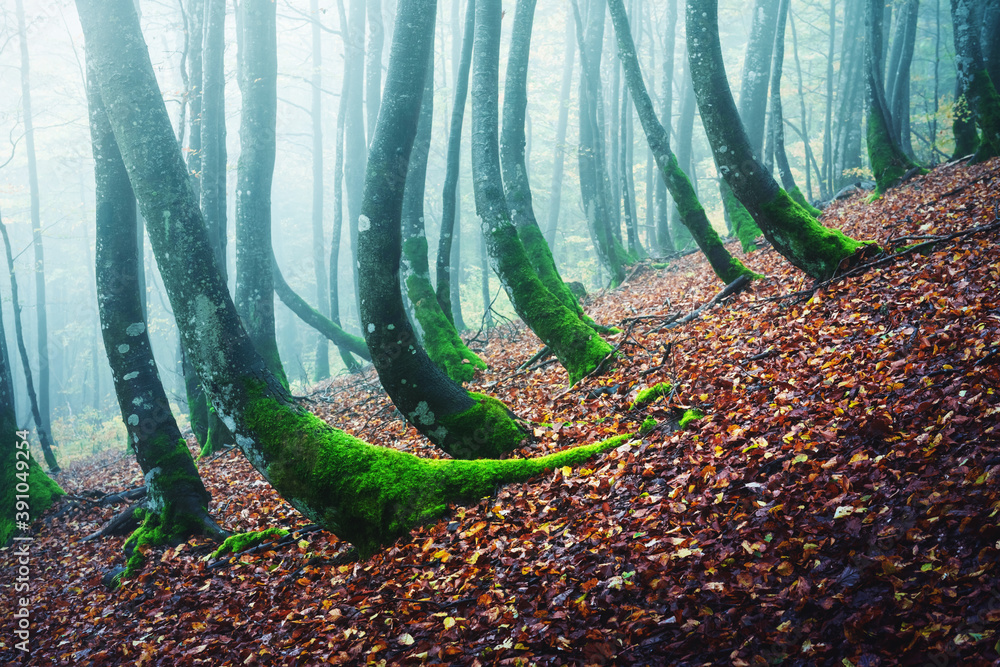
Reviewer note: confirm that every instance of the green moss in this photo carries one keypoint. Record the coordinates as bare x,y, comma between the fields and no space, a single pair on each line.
648,424
888,161
370,496
441,340
493,428
169,526
987,101
690,416
800,199
219,435
810,246
744,227
43,491
659,266
650,394
242,541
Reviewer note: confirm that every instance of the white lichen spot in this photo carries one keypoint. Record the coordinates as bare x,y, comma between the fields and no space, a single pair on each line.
133,420
131,376
391,327
371,328
422,414
123,348
438,434
364,224
135,328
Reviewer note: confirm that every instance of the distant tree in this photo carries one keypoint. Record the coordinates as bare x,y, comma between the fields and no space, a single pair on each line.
991,39
373,64
693,216
258,77
41,318
889,162
450,199
559,150
368,496
898,88
355,145
665,244
176,499
44,437
974,81
322,368
787,226
577,345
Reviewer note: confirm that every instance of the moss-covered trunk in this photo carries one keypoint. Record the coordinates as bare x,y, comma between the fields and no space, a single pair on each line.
577,346
367,495
791,230
176,498
440,338
692,214
974,81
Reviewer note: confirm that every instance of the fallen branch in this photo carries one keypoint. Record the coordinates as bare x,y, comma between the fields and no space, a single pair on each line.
729,290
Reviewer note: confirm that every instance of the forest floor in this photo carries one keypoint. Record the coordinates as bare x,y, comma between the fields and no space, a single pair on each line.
838,505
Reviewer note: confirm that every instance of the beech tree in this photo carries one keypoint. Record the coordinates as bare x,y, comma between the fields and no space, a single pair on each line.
176,499
577,345
693,215
367,495
792,231
974,80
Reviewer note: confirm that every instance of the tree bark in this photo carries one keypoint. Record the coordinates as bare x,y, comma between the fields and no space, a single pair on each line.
791,230
373,65
888,161
693,216
559,150
663,241
41,319
355,147
254,174
450,201
899,93
974,80
322,369
440,338
679,232
176,500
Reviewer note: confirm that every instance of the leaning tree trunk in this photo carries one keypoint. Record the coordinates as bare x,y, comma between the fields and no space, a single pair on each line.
176,500
787,226
888,161
44,437
577,346
369,496
440,338
25,490
974,80
514,166
41,320
450,202
213,170
254,173
776,131
693,216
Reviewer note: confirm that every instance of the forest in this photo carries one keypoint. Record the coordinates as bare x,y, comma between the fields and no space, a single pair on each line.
587,332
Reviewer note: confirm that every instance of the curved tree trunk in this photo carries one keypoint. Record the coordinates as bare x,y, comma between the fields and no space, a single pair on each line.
369,496
176,499
888,161
577,346
693,216
44,437
787,226
25,490
974,80
254,174
440,338
513,163
449,205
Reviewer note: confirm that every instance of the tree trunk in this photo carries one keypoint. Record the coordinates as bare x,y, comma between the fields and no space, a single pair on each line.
828,141
626,169
577,346
514,166
888,161
373,65
663,241
679,232
44,437
450,201
776,119
559,150
355,148
440,338
974,80
899,95
254,173
322,369
176,500
369,496
990,36
790,229
41,321
693,215
25,490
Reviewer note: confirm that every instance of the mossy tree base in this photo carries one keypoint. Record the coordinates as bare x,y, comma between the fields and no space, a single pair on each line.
219,436
172,524
243,541
42,492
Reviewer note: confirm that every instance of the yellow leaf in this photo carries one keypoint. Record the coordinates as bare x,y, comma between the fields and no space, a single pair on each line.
405,639
566,470
449,623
